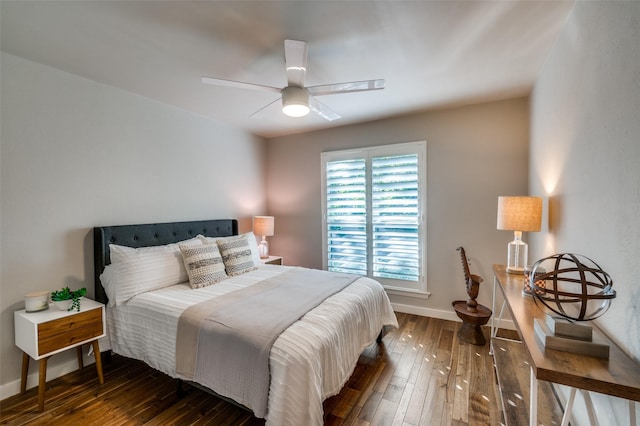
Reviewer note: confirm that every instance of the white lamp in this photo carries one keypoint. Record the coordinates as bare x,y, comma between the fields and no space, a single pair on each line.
295,101
519,214
263,225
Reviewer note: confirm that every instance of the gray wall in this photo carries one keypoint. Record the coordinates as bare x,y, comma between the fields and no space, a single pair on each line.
77,154
585,157
475,154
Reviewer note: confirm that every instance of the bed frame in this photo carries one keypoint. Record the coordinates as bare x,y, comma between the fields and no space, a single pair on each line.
150,234
155,234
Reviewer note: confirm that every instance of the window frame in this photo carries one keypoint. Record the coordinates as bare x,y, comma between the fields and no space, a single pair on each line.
419,148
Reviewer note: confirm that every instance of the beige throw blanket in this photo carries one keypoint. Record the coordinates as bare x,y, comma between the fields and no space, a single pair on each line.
224,343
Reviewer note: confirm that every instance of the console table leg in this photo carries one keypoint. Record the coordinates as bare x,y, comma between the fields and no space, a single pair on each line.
569,407
494,327
493,307
593,420
533,399
494,332
632,413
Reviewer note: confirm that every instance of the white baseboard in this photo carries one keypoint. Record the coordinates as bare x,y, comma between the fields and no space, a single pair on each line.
53,372
445,315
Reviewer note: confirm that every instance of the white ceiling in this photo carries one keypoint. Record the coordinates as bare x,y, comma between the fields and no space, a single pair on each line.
431,54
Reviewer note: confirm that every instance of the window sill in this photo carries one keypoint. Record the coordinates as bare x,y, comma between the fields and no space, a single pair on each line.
417,294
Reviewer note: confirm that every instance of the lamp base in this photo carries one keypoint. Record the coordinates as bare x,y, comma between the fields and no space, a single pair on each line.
263,248
516,254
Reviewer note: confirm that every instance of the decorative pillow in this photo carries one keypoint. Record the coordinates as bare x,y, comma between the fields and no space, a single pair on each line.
138,270
236,255
203,264
251,238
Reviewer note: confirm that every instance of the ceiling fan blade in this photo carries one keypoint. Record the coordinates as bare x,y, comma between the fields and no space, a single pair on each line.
239,84
350,87
260,113
295,55
322,110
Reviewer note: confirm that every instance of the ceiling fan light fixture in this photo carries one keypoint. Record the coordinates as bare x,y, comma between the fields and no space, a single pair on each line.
295,101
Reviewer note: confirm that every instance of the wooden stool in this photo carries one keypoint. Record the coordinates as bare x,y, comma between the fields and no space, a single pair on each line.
472,314
470,330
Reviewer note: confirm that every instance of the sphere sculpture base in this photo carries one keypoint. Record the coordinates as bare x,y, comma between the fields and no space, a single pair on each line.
559,334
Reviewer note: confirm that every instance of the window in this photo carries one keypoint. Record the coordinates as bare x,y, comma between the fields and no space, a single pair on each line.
373,213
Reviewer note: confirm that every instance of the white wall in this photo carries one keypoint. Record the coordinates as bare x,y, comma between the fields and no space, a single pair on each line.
585,157
77,154
475,154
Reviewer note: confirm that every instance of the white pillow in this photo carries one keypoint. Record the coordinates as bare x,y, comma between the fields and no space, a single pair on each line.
138,270
251,238
108,279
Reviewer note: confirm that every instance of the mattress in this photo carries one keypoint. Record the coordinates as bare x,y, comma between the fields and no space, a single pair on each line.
309,362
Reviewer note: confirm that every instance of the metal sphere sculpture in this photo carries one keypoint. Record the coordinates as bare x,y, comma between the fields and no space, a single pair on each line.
574,287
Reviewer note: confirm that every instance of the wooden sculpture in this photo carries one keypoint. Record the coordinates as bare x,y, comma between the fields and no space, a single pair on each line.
472,314
472,282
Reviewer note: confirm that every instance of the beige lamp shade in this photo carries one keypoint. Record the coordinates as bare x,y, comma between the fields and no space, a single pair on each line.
520,214
263,225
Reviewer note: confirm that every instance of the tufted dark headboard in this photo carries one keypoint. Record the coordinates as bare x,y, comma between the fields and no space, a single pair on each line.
151,234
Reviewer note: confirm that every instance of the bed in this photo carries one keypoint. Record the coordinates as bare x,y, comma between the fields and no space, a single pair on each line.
308,362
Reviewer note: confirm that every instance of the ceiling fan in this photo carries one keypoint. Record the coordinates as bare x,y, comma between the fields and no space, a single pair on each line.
298,100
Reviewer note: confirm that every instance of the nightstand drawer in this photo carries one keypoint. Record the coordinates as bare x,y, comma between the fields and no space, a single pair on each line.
42,334
63,332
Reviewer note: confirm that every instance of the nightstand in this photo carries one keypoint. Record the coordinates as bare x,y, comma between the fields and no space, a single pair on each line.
272,260
43,334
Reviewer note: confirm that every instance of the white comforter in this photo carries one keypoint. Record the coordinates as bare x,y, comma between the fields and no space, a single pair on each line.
309,362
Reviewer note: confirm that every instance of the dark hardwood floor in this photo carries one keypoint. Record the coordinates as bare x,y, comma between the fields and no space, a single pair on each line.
420,375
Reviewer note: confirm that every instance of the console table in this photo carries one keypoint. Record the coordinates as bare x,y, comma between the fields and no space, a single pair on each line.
617,376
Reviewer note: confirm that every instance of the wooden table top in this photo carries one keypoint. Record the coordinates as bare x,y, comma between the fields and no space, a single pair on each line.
617,376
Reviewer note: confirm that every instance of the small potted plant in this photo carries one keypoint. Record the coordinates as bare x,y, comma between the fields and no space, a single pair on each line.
67,300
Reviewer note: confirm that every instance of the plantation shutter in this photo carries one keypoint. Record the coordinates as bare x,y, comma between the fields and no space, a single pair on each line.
395,217
346,211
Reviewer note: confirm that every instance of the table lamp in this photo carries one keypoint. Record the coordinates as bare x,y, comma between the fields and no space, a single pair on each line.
263,225
519,214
